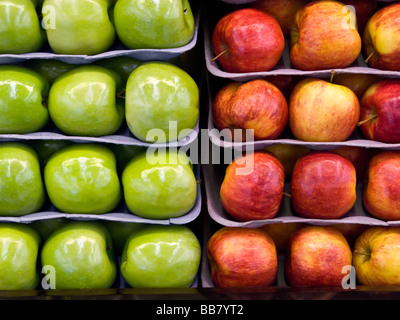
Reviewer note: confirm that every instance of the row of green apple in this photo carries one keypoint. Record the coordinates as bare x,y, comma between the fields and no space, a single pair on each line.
88,179
343,255
92,100
89,27
84,255
324,35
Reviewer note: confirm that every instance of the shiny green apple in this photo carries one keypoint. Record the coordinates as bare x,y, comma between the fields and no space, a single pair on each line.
120,232
19,247
159,185
161,256
121,65
155,24
50,69
84,102
78,27
82,255
22,92
83,178
21,184
20,29
161,102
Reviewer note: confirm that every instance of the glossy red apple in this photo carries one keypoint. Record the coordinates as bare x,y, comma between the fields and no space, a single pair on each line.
256,105
257,194
282,10
321,111
358,156
380,111
248,40
323,185
242,257
316,256
321,38
381,188
280,233
381,38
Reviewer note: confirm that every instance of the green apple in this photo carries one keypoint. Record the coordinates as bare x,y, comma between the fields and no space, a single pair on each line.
82,255
19,247
45,227
50,69
121,65
21,184
84,102
22,92
46,148
20,29
161,102
160,256
120,231
78,27
159,186
125,153
155,24
83,178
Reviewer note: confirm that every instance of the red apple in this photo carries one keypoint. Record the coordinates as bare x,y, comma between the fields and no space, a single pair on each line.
358,156
288,154
280,233
248,40
381,192
381,38
380,111
376,257
351,231
316,256
242,257
321,39
323,185
321,111
256,195
282,10
256,105
356,82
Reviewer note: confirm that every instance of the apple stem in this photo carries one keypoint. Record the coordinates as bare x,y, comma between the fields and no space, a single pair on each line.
121,94
216,57
44,102
199,181
370,56
360,123
293,29
287,194
332,75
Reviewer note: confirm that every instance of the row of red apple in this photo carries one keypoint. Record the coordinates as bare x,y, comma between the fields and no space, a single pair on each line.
314,109
62,254
98,100
89,179
314,256
323,35
323,184
88,27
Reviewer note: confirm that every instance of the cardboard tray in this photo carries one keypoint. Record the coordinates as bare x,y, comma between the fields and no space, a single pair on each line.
356,139
117,50
213,178
284,66
121,213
